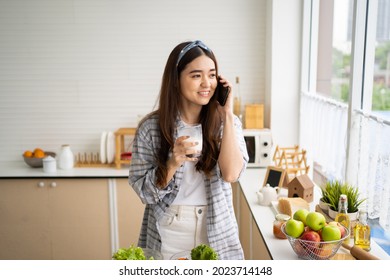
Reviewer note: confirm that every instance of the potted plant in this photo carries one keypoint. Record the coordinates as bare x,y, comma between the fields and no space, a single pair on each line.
331,192
328,193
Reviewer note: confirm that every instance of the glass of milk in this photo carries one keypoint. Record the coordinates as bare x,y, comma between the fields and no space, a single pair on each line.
195,133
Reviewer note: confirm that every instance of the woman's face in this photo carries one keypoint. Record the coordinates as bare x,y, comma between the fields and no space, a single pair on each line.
198,81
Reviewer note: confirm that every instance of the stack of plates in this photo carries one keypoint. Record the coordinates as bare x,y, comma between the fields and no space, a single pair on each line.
107,147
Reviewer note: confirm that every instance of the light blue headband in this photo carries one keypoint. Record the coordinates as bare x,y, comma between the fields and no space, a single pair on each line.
190,46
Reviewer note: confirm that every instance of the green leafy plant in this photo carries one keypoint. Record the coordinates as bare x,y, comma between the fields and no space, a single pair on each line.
332,190
203,252
131,253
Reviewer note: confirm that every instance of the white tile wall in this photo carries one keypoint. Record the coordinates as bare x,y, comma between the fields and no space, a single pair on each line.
72,69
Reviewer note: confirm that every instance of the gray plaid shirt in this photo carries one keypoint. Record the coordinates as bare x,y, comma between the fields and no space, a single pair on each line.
222,229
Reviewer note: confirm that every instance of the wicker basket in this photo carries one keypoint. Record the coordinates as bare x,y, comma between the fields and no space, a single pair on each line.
311,250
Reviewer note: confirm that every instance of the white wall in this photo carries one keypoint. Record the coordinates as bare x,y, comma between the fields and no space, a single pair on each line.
72,69
284,36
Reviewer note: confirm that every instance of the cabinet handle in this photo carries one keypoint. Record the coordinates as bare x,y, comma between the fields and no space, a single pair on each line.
53,184
41,184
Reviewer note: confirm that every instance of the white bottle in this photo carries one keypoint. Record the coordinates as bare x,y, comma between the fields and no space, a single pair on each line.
66,159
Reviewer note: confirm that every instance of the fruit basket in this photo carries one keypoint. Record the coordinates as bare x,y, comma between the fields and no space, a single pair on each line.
37,162
311,250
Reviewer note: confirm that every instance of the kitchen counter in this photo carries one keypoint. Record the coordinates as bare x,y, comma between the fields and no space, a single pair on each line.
14,170
250,182
280,249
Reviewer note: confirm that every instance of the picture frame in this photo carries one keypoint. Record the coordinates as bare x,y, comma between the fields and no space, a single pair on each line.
275,176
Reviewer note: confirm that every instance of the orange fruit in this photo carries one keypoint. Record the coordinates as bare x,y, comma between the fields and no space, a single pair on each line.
28,154
38,150
39,153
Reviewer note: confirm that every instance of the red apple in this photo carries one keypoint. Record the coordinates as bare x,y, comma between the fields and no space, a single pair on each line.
311,235
300,250
320,233
312,246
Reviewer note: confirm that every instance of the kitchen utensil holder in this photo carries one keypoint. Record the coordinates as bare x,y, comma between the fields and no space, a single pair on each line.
90,160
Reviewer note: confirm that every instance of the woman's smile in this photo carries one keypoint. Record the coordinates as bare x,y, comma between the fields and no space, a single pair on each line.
204,93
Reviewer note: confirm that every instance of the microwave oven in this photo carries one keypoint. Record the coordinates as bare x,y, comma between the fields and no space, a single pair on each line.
259,146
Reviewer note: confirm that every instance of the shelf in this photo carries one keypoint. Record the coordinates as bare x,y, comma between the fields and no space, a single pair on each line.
120,135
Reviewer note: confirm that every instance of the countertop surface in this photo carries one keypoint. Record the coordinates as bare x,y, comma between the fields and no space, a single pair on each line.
20,170
280,249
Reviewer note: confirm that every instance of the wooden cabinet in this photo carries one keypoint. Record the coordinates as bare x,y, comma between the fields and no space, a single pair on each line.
130,214
75,219
259,249
24,220
54,219
250,236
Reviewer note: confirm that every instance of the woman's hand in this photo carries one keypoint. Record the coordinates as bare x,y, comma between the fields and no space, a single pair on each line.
181,150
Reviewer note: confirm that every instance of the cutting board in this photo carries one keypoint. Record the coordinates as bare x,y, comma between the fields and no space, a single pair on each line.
341,256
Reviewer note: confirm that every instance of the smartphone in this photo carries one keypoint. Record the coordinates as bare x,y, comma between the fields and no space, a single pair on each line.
222,93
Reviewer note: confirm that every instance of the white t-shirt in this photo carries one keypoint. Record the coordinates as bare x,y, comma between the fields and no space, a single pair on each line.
192,190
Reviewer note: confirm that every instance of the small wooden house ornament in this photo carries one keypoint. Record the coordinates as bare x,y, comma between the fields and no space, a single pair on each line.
301,186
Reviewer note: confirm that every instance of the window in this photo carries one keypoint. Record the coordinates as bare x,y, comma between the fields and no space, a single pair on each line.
345,100
381,73
334,49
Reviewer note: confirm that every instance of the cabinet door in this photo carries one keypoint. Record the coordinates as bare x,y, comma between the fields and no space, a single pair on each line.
80,219
130,213
54,219
259,249
24,220
245,217
251,239
236,189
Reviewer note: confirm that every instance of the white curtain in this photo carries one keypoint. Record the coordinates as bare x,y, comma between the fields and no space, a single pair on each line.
370,167
323,133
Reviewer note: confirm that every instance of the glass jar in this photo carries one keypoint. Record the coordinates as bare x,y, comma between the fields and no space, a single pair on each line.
66,159
49,164
280,219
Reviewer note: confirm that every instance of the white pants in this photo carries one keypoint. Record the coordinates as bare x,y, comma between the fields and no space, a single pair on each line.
182,228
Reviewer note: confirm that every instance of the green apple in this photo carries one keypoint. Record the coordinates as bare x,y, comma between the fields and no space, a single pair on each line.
294,228
340,226
330,233
315,220
300,215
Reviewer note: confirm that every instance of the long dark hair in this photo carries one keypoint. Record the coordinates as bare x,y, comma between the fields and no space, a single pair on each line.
169,100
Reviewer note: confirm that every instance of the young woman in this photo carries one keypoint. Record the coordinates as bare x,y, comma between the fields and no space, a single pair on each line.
189,199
